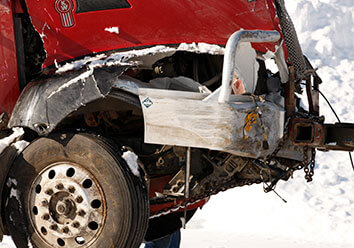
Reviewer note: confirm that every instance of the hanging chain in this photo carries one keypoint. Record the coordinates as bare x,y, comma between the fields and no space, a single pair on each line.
282,141
307,164
310,166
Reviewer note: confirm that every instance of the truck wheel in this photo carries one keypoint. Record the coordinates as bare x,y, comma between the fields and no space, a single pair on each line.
73,190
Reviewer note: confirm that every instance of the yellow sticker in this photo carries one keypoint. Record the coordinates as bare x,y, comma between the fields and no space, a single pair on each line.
250,119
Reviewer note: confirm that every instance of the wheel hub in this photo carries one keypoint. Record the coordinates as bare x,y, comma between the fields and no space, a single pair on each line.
67,206
62,209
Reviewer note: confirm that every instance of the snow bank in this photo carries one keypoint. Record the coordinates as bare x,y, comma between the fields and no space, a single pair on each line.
319,212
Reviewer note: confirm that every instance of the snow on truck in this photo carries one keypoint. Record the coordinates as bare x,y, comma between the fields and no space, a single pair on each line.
120,117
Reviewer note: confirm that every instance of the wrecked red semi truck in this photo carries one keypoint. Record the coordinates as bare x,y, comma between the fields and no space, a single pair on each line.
134,113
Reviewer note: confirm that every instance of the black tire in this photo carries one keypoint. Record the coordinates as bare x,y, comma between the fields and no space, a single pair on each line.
114,201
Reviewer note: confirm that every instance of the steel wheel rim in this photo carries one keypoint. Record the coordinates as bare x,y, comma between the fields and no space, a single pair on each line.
67,206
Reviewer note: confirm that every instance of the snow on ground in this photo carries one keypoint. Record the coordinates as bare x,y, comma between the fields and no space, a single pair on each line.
212,239
318,214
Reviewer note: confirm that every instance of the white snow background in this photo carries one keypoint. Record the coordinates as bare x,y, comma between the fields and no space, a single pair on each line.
318,214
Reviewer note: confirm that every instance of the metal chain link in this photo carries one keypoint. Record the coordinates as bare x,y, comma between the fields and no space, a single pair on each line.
310,166
196,199
281,142
306,164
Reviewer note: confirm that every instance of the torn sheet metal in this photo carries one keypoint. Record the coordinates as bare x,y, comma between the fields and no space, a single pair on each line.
137,57
188,121
45,103
133,85
279,58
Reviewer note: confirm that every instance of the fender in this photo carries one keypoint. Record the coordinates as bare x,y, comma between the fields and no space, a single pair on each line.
46,102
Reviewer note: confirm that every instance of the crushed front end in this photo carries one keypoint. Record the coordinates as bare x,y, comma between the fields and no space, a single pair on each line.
196,102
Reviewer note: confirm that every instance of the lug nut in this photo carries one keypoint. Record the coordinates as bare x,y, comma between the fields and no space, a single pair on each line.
76,224
54,227
71,189
45,217
65,229
49,192
82,213
79,199
44,203
59,186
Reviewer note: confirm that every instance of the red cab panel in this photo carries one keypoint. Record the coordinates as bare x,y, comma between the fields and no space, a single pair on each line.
9,86
72,28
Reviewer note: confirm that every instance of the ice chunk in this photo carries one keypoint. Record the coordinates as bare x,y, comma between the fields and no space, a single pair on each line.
20,145
132,160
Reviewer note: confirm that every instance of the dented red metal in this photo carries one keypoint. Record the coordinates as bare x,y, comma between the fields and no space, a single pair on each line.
9,87
67,34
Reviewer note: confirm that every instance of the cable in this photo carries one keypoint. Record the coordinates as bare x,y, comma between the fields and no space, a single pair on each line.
351,159
334,112
329,104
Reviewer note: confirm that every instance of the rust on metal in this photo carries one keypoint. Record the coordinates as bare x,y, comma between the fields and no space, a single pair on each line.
304,132
290,93
312,91
339,136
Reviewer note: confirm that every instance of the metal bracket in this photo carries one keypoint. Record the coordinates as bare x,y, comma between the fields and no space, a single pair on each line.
339,136
325,137
290,103
230,66
304,132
